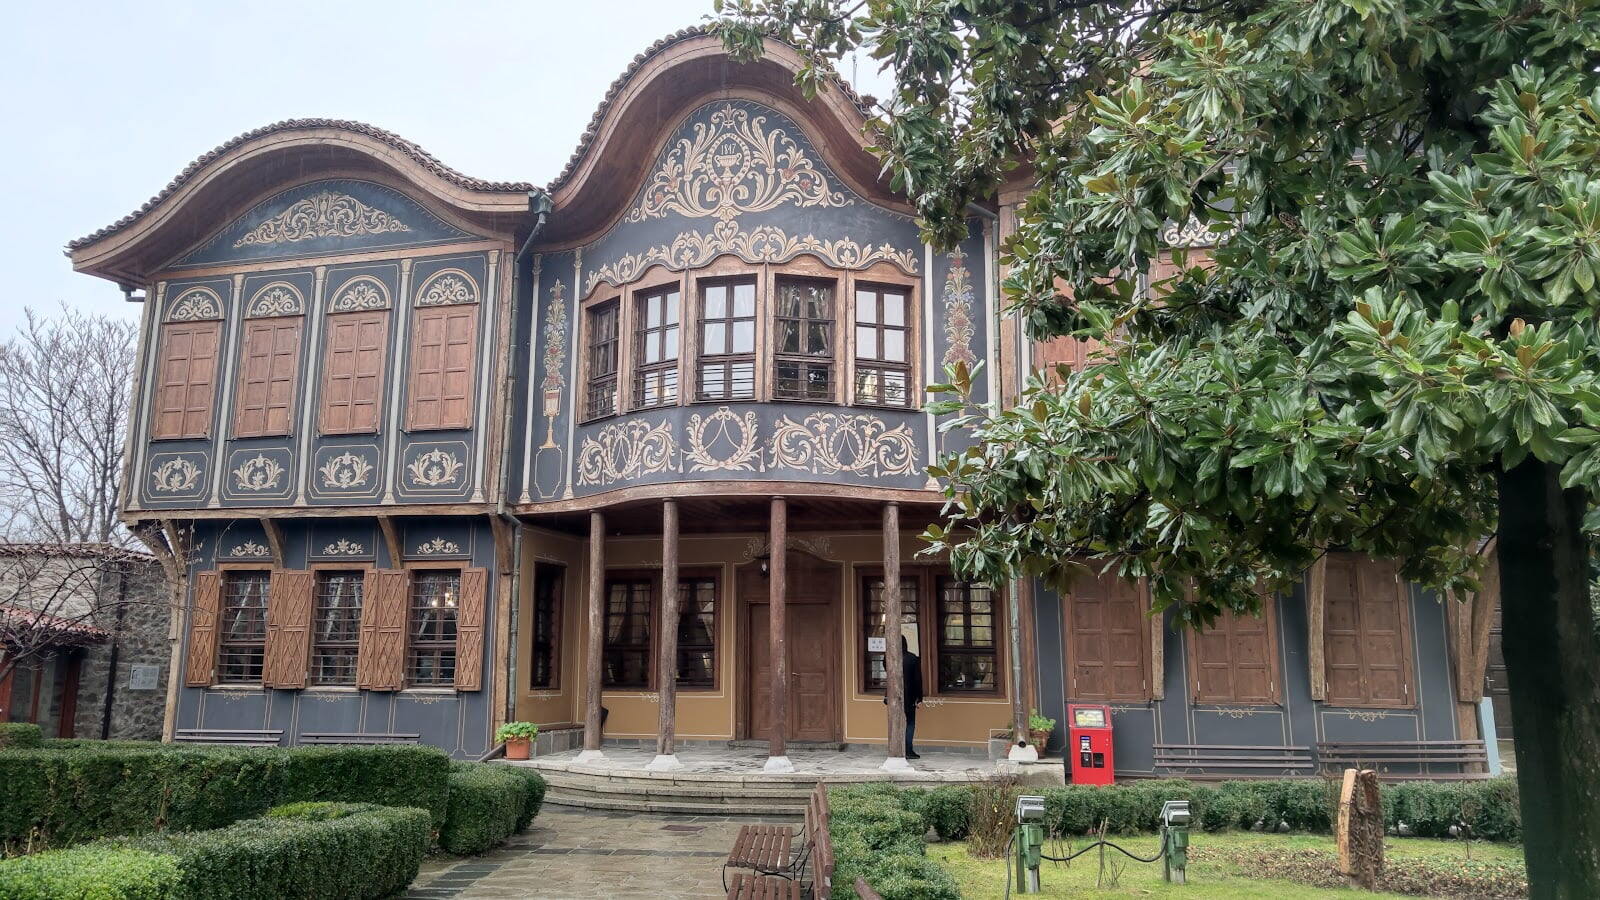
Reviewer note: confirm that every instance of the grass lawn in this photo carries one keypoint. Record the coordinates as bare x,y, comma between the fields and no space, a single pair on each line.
1218,867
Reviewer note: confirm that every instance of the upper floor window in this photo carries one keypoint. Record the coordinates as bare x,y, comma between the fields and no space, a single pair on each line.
269,368
187,374
604,337
443,342
244,627
883,368
352,385
655,375
727,341
803,321
337,637
435,602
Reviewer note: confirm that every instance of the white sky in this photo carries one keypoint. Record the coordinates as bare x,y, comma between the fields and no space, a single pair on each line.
106,102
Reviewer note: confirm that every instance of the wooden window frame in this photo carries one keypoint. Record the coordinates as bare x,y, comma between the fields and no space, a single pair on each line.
651,623
206,413
655,619
253,329
879,363
1406,663
593,383
642,333
1070,666
445,422
927,578
327,406
319,572
996,610
226,575
436,646
865,575
728,321
560,570
716,629
1269,617
778,357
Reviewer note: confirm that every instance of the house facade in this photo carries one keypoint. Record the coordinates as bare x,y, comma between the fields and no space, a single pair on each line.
429,447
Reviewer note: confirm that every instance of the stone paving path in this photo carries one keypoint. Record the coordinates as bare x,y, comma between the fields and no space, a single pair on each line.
584,854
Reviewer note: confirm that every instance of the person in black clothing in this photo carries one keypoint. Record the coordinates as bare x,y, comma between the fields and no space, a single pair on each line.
912,668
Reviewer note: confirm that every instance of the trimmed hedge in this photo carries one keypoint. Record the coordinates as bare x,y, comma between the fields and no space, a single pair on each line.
90,873
877,833
309,850
486,802
62,796
20,734
1426,808
533,788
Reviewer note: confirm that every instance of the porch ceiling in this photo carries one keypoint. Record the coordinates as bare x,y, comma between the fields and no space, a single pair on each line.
712,515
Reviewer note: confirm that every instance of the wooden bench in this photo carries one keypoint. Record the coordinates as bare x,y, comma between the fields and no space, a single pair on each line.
229,737
762,844
1417,757
342,737
1225,760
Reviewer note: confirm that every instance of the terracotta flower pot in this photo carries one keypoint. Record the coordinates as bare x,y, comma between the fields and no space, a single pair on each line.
517,748
1039,739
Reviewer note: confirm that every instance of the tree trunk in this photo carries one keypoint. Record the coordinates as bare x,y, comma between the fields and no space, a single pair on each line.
1552,657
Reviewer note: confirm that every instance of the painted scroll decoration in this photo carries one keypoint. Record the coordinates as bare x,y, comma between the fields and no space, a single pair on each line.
626,450
723,442
197,304
438,547
249,550
258,473
764,244
346,471
177,475
734,163
344,547
1191,233
555,359
447,288
324,214
360,294
834,443
435,468
958,300
279,298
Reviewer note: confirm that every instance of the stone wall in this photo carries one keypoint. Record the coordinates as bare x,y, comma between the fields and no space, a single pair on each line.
137,646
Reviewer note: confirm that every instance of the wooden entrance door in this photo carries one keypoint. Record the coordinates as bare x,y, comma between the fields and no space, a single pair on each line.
814,683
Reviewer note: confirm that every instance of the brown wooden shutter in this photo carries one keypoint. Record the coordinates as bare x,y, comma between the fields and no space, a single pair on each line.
352,390
187,372
469,629
203,629
381,658
1384,643
440,394
1109,640
288,650
1342,631
268,371
1234,660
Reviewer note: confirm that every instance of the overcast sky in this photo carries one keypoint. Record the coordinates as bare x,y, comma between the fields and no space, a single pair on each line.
106,102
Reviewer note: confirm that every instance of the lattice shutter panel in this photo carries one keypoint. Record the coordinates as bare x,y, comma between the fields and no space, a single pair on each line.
469,629
288,649
381,660
203,629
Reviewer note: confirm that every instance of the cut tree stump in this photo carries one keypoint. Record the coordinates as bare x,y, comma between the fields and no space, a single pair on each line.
1360,829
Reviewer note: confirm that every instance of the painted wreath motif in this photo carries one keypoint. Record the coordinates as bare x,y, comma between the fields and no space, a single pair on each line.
324,214
175,476
830,444
258,473
734,164
708,434
345,471
625,450
435,468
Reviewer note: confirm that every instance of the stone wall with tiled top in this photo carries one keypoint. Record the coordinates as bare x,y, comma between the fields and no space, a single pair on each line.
139,651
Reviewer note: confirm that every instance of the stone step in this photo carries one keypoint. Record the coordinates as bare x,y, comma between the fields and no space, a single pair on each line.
671,806
612,784
835,746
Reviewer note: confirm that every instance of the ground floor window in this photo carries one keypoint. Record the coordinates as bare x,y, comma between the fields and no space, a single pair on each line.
435,599
337,635
244,627
874,611
633,609
627,648
959,653
968,656
548,582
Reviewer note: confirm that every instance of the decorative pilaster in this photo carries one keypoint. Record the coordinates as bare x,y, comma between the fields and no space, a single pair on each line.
308,393
667,669
397,387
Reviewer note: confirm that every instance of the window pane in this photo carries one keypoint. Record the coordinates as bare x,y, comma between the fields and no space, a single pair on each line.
894,309
652,307
866,342
672,308
671,351
652,351
894,345
818,339
866,306
743,380
716,338
788,337
716,301
744,299
744,337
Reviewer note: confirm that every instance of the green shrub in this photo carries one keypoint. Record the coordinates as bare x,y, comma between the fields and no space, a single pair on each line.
20,735
89,873
62,796
948,811
486,802
877,833
533,787
320,850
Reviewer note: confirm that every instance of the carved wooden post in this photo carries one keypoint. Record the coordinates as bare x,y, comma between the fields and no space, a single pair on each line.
667,669
778,639
594,649
894,680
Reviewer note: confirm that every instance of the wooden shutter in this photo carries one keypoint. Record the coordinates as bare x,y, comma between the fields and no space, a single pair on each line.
203,629
268,371
381,657
1235,661
288,651
440,394
1367,640
187,373
352,391
1108,640
469,629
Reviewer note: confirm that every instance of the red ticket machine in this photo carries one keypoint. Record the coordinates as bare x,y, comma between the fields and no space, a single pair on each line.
1089,744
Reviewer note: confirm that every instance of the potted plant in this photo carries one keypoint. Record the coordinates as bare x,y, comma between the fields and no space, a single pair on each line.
518,738
1039,728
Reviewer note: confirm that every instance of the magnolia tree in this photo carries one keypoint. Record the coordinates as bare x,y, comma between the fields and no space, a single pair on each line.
1395,352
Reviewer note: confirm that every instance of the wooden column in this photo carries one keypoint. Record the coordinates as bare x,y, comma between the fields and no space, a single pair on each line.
778,636
1316,616
894,681
667,669
69,695
597,621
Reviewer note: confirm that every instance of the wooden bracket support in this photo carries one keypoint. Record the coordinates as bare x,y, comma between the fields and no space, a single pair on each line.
391,540
274,535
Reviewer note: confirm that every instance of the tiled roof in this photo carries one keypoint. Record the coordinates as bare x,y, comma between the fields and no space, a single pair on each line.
77,550
420,156
71,630
593,129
